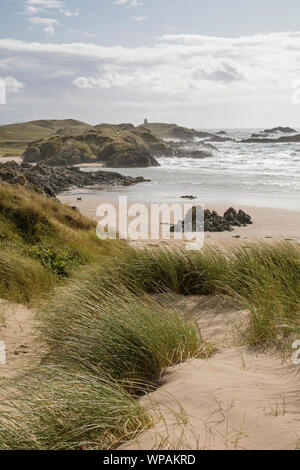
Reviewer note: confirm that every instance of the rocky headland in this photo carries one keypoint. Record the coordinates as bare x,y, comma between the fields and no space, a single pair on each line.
173,131
52,180
114,146
261,139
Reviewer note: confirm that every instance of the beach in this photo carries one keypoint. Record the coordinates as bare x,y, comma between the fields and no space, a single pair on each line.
269,224
238,389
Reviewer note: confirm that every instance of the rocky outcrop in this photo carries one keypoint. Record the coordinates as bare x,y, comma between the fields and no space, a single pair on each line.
218,138
264,140
52,180
285,130
172,131
115,146
213,222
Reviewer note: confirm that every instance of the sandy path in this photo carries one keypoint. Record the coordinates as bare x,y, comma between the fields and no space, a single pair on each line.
237,399
16,332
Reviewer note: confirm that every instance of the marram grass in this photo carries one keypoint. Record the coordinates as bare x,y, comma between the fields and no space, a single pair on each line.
264,278
106,346
131,337
63,409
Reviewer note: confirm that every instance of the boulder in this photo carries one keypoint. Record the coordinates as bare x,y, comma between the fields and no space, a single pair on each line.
213,222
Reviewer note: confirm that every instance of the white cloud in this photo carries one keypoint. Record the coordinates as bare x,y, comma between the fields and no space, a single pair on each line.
45,3
69,13
48,24
129,3
90,82
181,74
140,18
36,7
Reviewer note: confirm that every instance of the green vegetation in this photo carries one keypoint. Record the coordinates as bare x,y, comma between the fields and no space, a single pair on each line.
109,335
116,146
171,131
98,323
264,278
26,132
41,241
59,260
107,344
63,409
11,151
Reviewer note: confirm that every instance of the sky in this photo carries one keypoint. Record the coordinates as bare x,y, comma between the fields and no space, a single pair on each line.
199,63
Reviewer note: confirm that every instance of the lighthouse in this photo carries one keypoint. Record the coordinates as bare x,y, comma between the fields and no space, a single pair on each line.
145,121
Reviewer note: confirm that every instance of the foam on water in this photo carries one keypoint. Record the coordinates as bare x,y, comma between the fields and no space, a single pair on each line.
253,174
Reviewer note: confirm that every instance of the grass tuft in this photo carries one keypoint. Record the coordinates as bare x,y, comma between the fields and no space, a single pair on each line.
69,410
108,328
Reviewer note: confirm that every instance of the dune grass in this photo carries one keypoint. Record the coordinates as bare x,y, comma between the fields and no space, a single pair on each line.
41,242
264,278
96,325
108,339
106,346
69,410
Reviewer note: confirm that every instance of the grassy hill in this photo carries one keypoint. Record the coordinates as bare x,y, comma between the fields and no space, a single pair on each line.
14,138
173,131
41,243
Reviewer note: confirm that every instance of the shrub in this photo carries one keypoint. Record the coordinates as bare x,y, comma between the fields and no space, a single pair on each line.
58,260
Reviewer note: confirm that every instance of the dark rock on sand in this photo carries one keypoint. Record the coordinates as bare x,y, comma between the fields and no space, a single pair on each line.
237,218
213,222
51,180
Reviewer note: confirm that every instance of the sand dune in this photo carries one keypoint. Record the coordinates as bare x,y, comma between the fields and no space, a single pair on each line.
237,399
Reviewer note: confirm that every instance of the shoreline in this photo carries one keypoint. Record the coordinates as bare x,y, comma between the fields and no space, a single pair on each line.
269,224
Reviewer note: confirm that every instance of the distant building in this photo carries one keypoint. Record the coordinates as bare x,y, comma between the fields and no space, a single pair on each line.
145,121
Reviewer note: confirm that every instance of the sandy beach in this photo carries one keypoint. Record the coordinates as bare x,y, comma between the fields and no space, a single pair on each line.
268,224
237,399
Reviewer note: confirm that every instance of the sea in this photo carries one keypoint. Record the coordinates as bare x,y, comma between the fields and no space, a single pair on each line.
258,174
